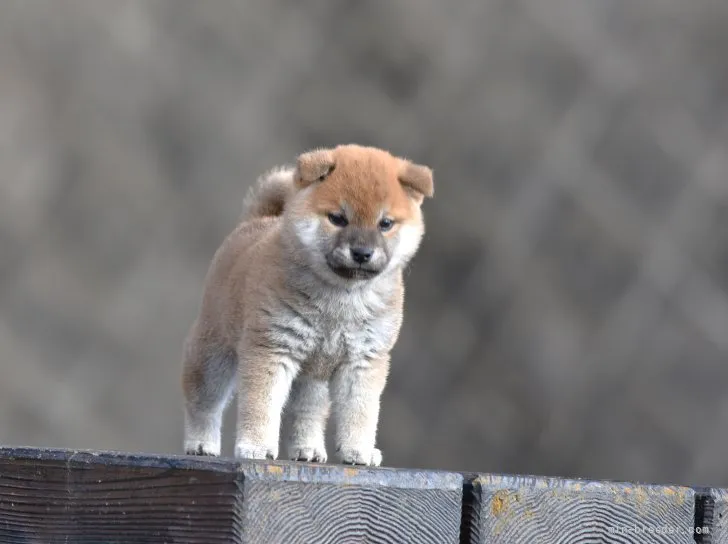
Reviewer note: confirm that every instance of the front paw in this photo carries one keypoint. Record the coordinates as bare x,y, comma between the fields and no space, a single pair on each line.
353,456
202,448
314,454
254,451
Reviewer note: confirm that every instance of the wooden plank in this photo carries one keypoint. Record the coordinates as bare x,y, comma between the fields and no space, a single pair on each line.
529,510
712,513
82,497
79,497
301,504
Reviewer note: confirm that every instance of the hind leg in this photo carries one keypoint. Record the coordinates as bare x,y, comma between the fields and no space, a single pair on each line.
208,383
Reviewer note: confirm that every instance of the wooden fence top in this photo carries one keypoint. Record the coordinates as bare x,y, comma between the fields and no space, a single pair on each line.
51,496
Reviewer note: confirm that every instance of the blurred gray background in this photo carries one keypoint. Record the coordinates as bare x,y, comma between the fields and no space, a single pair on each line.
568,311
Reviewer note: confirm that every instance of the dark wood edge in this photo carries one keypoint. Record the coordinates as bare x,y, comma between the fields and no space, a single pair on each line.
257,470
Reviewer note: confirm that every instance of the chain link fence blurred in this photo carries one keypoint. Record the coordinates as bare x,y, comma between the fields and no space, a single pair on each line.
568,311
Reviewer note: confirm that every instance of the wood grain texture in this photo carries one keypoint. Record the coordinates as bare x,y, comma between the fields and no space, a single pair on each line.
528,510
295,504
57,496
712,512
54,496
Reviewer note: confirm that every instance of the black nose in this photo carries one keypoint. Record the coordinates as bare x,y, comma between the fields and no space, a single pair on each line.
362,254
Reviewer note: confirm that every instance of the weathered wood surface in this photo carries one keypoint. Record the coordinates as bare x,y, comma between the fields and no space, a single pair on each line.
297,504
61,496
527,510
712,512
54,496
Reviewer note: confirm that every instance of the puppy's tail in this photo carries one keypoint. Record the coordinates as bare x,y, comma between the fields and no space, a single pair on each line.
267,198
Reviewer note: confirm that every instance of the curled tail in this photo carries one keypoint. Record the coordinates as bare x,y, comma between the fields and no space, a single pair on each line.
267,198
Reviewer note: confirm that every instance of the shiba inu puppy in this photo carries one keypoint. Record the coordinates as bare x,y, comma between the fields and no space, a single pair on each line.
302,305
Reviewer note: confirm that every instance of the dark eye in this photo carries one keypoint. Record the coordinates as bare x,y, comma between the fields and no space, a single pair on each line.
338,219
386,224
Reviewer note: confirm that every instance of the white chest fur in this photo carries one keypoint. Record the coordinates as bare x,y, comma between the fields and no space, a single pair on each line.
332,328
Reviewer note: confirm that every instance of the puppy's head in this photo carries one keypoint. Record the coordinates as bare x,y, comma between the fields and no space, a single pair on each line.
357,211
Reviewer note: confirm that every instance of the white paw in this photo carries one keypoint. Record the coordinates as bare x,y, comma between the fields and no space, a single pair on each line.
201,447
254,451
353,456
313,454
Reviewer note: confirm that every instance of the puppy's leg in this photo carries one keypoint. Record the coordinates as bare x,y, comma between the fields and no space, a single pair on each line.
305,418
208,382
356,390
264,383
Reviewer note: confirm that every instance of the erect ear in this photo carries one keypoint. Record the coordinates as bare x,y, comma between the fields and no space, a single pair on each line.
314,166
417,180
